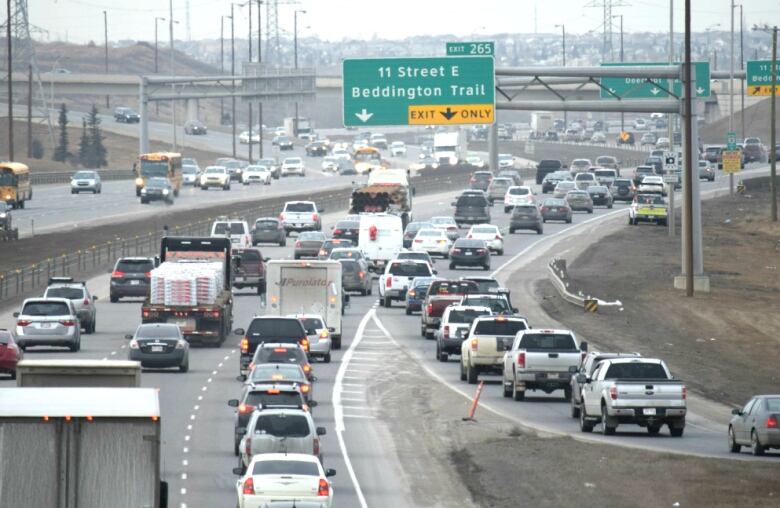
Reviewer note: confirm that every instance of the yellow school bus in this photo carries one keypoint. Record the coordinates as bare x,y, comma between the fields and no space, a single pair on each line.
15,186
367,159
159,165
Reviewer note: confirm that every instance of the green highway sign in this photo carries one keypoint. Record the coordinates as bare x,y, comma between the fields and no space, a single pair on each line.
418,91
731,141
471,48
759,77
639,88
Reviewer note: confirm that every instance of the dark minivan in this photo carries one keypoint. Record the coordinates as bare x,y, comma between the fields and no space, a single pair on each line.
269,329
131,277
471,209
546,166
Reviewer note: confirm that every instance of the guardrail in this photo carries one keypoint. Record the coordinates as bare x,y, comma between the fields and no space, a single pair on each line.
560,280
94,258
55,177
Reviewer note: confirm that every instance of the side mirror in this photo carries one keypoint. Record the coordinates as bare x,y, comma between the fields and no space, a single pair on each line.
241,377
265,260
346,298
582,379
239,331
237,471
321,431
241,431
573,369
330,472
312,403
16,314
584,346
233,403
94,298
736,412
435,272
129,337
331,329
514,309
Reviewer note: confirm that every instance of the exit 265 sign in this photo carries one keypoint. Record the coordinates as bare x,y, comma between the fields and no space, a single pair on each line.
418,91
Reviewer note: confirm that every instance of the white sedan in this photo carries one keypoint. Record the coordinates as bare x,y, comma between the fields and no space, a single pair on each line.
293,166
330,163
284,477
517,195
652,185
432,241
397,148
245,136
490,234
256,174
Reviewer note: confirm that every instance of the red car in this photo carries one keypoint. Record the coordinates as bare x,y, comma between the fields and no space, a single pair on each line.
10,353
250,271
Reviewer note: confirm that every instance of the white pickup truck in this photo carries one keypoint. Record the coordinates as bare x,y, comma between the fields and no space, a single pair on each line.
488,339
540,360
641,391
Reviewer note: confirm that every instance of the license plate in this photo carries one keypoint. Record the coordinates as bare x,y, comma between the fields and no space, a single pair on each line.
47,325
157,349
648,411
552,376
135,282
469,253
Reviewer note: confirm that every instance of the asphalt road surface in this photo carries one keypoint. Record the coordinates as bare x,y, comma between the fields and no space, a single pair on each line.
198,425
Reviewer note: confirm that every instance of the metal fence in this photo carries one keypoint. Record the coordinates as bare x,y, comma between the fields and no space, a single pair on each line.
93,259
65,176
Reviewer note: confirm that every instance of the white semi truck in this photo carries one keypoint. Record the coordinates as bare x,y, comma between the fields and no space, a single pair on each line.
306,287
449,148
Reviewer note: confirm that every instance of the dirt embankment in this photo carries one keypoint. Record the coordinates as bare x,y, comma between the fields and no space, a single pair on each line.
724,344
501,465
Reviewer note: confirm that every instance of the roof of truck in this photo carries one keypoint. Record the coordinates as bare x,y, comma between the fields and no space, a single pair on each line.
79,402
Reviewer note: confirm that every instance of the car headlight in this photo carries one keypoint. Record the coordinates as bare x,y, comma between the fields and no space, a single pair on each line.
139,181
143,191
2,215
165,192
453,160
435,165
181,344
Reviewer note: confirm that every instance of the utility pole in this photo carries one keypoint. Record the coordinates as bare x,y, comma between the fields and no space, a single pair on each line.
173,73
233,73
772,119
105,33
670,129
29,111
157,19
249,40
563,58
731,91
622,115
10,85
688,170
295,53
742,68
260,61
221,64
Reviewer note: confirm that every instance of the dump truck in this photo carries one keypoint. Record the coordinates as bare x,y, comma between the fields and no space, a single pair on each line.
386,191
80,447
184,293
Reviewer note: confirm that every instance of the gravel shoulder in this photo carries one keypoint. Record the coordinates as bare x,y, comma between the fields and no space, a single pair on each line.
724,343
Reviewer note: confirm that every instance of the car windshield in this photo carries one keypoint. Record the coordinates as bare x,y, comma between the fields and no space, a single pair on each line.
157,331
499,327
273,397
267,224
496,305
299,207
282,425
46,309
410,269
275,327
605,160
65,292
519,191
485,230
189,170
215,170
485,285
554,202
5,337
547,342
250,255
622,183
470,244
347,224
157,183
585,176
345,254
259,169
580,162
504,157
439,221
413,227
476,201
235,228
277,372
596,188
604,172
267,162
644,170
466,315
772,404
483,176
501,182
565,185
285,468
435,233
650,199
278,355
311,236
525,209
422,256
82,175
636,370
135,265
292,160
330,244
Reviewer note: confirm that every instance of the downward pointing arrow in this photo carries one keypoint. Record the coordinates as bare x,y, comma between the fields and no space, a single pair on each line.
448,114
654,91
364,115
700,90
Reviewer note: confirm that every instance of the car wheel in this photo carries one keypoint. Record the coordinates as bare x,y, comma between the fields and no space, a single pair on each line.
500,253
517,395
567,394
428,335
507,392
486,267
653,429
575,410
388,302
144,201
590,210
471,375
370,290
606,428
539,231
734,447
544,221
452,266
114,299
236,444
506,209
185,367
75,348
512,231
568,221
609,206
755,445
283,243
326,358
443,357
422,331
462,371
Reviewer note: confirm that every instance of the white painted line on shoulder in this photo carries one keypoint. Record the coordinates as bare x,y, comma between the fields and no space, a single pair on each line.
352,391
184,476
196,407
187,438
213,372
185,462
189,427
200,397
113,353
350,384
183,491
366,417
354,377
209,380
338,409
359,408
186,450
349,399
227,358
192,417
220,365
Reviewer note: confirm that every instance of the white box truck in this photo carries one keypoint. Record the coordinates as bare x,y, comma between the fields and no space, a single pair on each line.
72,373
80,448
541,122
381,238
306,287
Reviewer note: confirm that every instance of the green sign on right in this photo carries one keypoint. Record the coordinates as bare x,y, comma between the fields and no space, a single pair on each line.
731,141
759,77
639,88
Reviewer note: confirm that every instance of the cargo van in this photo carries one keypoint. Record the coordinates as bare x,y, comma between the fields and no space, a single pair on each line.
381,238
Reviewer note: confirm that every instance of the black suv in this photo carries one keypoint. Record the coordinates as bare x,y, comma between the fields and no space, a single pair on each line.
131,277
126,115
269,329
471,209
546,166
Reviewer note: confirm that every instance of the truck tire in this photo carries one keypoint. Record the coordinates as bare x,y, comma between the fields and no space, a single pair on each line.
567,394
653,430
575,411
676,431
336,343
585,425
733,446
408,311
236,444
462,371
507,392
517,396
472,375
326,358
388,302
185,367
607,427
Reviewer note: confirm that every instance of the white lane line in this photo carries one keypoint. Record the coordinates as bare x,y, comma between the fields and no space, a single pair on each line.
353,369
186,450
214,372
350,384
366,417
183,491
184,476
186,438
189,427
184,462
338,410
220,365
359,408
353,391
354,377
348,399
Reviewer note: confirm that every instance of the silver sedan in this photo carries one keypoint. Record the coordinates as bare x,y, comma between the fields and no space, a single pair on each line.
756,425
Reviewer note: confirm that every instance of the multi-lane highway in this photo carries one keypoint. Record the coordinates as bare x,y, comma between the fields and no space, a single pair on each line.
198,425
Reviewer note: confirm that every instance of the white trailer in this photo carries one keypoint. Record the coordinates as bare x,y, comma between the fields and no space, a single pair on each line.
306,287
65,373
80,448
381,238
449,148
541,122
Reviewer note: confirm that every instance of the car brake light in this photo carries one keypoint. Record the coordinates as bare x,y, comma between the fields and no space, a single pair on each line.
86,301
429,308
68,322
362,275
684,393
148,275
305,344
324,489
307,368
244,345
281,216
582,357
446,332
298,244
316,446
314,217
498,237
274,391
249,487
324,334
521,360
469,236
117,273
337,231
245,408
418,241
613,392
305,388
23,322
544,209
474,344
389,281
771,422
280,350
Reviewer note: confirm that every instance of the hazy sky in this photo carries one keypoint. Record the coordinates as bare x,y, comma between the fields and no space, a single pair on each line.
82,20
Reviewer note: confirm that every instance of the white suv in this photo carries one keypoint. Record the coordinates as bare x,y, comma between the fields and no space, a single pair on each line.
293,166
301,216
237,230
398,276
215,176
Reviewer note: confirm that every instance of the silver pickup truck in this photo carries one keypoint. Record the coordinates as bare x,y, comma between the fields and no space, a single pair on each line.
641,391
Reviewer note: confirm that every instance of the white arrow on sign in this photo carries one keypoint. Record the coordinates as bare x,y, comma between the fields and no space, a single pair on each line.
655,91
700,90
364,115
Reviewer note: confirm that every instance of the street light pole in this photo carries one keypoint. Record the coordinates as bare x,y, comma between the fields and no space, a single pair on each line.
221,64
105,34
731,91
670,128
688,170
742,80
156,67
772,119
563,58
295,53
233,73
10,86
622,115
173,72
249,3
259,61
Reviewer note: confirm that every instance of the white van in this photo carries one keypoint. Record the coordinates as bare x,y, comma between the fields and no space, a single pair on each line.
381,238
236,229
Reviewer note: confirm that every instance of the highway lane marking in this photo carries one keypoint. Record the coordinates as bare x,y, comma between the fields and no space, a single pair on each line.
354,377
367,417
353,391
347,399
338,410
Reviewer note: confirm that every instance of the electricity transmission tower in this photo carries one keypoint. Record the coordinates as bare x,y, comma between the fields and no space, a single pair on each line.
24,63
607,48
273,31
